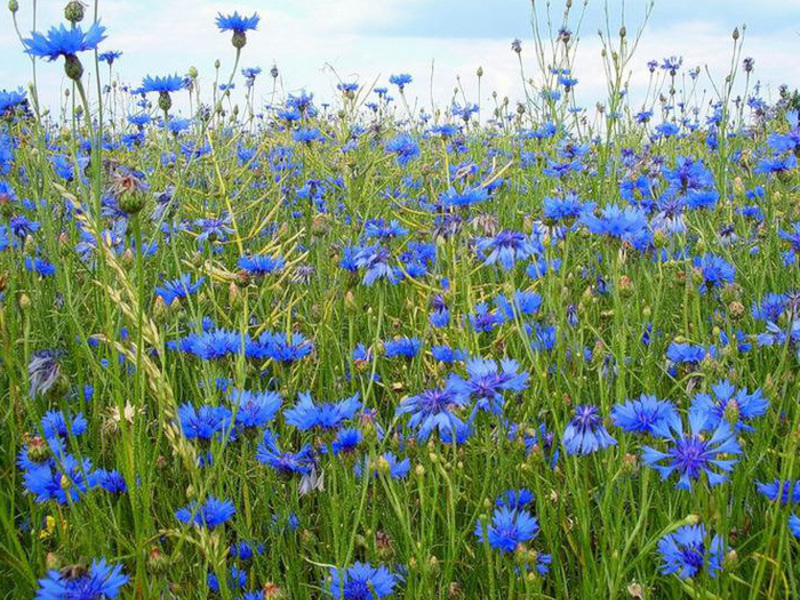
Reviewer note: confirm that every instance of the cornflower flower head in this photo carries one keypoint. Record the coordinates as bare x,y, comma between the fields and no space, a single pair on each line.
362,581
783,491
688,551
178,289
261,264
402,346
54,424
239,25
585,432
65,480
794,525
306,414
715,271
255,409
204,423
488,382
101,581
285,463
404,147
163,86
432,410
61,41
506,248
736,407
401,80
508,529
642,414
515,499
210,514
690,454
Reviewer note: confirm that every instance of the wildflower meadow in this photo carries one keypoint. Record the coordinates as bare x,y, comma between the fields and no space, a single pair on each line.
260,346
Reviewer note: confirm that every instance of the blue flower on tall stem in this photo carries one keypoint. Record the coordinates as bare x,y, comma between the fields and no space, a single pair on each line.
362,581
61,41
687,551
585,432
101,582
691,454
508,529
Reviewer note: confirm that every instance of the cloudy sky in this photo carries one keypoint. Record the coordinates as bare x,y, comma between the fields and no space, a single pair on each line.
314,41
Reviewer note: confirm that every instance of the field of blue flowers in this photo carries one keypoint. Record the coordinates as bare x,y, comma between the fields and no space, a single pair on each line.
359,351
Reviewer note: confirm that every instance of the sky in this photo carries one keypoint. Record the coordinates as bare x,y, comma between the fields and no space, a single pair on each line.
316,43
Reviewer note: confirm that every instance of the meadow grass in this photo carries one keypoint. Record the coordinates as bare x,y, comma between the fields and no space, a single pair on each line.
172,288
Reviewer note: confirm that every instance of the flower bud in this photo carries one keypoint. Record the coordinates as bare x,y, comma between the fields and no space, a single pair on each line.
74,11
13,6
73,68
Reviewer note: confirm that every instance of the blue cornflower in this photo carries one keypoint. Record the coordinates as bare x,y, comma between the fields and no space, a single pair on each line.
794,525
691,454
362,581
178,289
237,23
433,410
102,582
109,56
204,423
22,227
378,228
523,303
515,499
261,264
793,237
448,355
401,80
9,101
509,528
237,579
785,491
211,514
255,409
54,424
642,414
346,440
487,382
776,164
622,223
585,432
686,552
40,266
64,481
769,308
162,85
307,415
681,353
468,197
402,346
61,41
734,406
715,270
285,463
210,345
280,348
404,146
306,135
483,320
507,248
111,481
562,209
